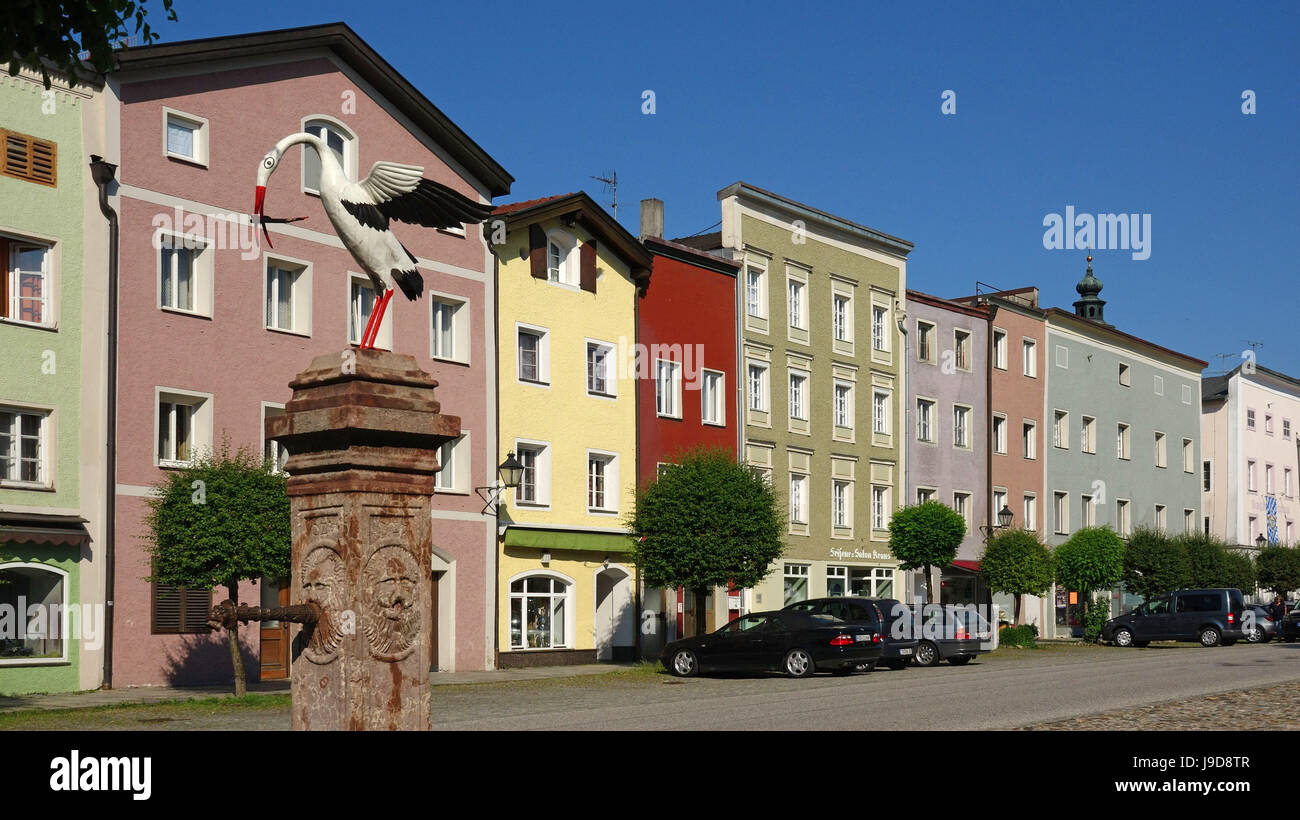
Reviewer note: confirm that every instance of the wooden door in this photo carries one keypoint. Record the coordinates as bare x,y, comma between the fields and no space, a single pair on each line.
275,634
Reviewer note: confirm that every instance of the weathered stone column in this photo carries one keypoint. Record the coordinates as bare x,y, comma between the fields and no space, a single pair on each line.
362,432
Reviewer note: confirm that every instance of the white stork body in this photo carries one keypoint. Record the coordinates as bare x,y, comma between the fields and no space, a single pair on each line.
361,211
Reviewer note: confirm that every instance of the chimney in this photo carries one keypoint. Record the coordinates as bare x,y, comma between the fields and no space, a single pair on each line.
652,218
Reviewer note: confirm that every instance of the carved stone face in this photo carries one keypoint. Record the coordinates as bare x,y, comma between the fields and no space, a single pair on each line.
391,616
322,582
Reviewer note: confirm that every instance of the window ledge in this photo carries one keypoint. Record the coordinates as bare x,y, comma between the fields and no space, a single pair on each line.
285,331
32,486
532,383
601,511
533,505
449,491
713,423
669,416
9,662
197,163
18,323
184,312
174,465
608,396
446,360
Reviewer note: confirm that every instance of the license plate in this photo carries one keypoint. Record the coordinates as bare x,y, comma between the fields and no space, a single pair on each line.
904,651
861,638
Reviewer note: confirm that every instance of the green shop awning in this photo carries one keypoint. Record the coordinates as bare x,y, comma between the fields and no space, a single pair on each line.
568,540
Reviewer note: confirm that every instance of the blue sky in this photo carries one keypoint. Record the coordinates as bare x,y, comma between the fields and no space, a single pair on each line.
1106,107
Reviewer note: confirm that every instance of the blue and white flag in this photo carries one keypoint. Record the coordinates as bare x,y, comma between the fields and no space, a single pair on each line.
1270,512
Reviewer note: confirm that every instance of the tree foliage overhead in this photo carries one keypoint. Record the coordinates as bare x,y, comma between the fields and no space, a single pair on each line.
1154,563
1214,565
926,535
1092,559
1016,562
1278,569
706,521
36,34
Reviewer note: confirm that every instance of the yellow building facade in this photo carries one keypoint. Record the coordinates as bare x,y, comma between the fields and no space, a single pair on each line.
567,283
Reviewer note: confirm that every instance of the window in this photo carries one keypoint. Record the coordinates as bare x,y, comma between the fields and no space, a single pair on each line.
842,317
960,426
797,305
798,396
1061,429
1290,532
449,331
1029,437
1061,508
288,296
1207,485
999,500
23,444
1250,475
1123,521
273,451
1187,394
179,611
879,508
1160,450
29,158
879,328
880,412
754,293
1031,512
961,349
1123,374
837,582
177,272
534,483
1268,424
843,409
961,506
1286,481
1189,459
798,499
602,482
533,360
185,137
1121,441
25,287
924,420
1000,349
41,639
713,405
1159,385
840,504
796,583
539,610
361,303
1253,527
453,459
668,388
339,143
1268,479
184,428
1088,435
925,341
1030,357
1189,521
758,387
600,369
562,265
1286,428
1062,356
1250,419
1000,434
1088,511
924,494
1160,517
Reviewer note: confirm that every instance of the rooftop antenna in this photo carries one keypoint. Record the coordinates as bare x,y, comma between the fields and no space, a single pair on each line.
610,181
1223,358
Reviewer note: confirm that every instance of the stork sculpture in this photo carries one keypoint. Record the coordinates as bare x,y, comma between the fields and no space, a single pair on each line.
361,211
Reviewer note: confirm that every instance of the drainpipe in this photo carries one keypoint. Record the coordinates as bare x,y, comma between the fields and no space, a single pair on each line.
637,295
497,547
103,173
990,513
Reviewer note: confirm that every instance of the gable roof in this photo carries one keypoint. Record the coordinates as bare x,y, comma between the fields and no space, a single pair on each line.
892,244
340,39
583,210
691,256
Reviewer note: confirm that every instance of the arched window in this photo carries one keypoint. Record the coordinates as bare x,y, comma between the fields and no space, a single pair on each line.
540,609
36,635
340,142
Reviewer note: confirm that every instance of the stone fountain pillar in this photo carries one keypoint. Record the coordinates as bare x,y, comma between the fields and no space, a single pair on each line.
362,431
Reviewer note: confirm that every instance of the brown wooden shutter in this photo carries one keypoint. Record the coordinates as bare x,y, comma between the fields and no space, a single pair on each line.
587,258
177,610
198,604
537,251
166,608
30,158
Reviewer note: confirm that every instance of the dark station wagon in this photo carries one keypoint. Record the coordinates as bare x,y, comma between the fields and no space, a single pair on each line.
1210,616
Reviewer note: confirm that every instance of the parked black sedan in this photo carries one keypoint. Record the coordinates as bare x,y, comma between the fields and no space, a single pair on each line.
898,648
796,643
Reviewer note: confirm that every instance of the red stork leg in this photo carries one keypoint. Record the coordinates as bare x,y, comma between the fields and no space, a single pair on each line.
376,320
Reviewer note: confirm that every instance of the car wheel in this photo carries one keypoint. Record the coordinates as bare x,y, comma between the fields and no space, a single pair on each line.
927,654
896,665
1123,637
961,660
798,663
1209,636
1255,635
684,664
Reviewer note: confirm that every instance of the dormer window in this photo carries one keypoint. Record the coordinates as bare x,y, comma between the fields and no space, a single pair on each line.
561,259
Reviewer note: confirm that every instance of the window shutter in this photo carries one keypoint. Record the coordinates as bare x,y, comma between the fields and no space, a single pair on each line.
166,608
537,251
178,610
587,259
30,158
198,603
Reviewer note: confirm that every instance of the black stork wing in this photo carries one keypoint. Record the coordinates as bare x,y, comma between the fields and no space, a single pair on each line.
393,190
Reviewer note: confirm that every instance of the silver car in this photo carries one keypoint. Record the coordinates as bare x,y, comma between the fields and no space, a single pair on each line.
1259,626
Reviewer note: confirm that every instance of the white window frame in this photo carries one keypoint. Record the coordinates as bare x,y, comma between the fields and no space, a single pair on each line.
1061,429
1207,475
200,417
1123,517
62,628
9,313
201,279
609,478
1061,512
841,504
543,355
350,149
608,363
999,348
999,434
757,397
963,343
461,318
926,334
1161,450
1029,356
272,449
1125,375
799,505
357,320
1161,518
1088,434
961,504
880,328
880,512
454,475
926,410
842,321
1189,456
567,274
1251,483
1063,357
199,125
962,432
1189,521
1087,511
713,400
569,607
1029,439
45,443
300,290
842,412
756,298
796,302
798,398
1123,441
881,423
668,404
541,472
1029,509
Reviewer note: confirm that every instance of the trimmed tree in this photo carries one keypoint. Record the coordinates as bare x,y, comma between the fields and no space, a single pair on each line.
1208,559
1239,572
705,522
926,535
1017,562
1092,559
35,34
222,520
1278,569
1154,563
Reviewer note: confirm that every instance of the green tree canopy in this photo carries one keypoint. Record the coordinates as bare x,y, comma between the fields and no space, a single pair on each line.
926,535
1154,563
1017,562
1278,569
36,34
220,521
704,522
1092,559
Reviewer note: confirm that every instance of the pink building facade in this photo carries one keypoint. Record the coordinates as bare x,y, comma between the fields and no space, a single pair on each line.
214,325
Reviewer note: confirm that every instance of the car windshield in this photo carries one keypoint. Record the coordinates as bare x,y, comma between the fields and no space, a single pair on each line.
1159,606
745,624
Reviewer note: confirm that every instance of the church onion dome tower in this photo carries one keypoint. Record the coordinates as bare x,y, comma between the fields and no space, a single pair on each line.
1090,305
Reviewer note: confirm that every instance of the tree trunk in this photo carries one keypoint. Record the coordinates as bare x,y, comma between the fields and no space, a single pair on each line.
700,595
236,658
929,586
1019,601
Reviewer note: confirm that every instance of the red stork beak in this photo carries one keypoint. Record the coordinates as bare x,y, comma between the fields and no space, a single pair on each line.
258,205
